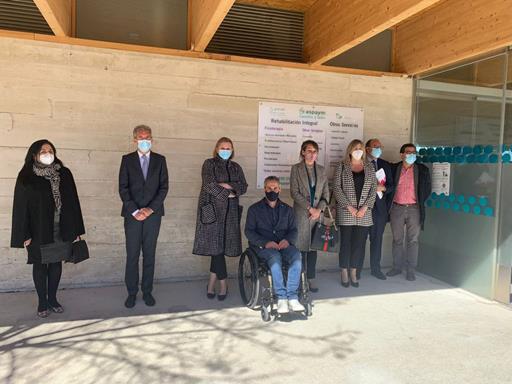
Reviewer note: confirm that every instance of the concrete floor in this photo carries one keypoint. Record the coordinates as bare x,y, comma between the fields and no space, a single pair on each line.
383,332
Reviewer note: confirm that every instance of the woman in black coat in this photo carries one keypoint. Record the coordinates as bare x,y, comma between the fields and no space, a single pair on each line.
46,219
219,213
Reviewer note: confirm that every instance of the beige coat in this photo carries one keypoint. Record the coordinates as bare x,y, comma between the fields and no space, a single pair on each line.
299,190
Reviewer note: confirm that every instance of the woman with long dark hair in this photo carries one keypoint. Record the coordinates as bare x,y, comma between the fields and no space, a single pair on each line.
46,219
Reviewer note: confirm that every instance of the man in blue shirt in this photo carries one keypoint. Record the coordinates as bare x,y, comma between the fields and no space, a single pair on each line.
271,230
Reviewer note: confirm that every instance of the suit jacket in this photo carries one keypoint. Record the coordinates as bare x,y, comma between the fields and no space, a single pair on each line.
299,190
422,185
382,206
345,193
259,227
137,193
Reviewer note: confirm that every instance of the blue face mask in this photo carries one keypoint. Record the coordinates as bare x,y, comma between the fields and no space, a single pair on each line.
410,158
376,152
144,145
225,154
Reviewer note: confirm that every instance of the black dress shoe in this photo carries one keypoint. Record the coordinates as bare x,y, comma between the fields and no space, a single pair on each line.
311,287
222,297
130,301
346,285
208,294
379,275
149,299
410,276
355,284
393,272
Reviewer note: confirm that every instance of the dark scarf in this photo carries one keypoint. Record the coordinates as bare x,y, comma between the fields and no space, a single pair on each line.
51,173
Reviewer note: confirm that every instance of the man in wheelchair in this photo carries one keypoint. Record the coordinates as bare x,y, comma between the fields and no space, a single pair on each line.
271,230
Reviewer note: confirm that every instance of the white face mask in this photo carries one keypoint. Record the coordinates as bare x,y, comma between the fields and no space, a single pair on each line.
357,154
46,158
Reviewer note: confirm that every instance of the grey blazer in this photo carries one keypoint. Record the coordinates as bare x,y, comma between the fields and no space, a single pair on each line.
345,194
299,190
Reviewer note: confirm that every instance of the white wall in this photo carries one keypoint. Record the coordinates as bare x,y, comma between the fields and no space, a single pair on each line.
88,100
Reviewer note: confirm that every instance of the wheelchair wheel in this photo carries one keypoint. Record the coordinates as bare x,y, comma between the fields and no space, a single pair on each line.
309,309
248,280
265,313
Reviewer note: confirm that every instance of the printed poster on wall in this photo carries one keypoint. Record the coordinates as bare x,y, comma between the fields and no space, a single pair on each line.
283,127
441,178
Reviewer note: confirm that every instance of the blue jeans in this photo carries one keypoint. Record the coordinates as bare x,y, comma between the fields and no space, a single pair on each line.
293,258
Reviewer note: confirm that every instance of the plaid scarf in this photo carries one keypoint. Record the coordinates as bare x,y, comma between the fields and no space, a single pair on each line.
51,173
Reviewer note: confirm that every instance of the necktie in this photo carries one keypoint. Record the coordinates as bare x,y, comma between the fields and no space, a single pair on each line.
145,164
374,164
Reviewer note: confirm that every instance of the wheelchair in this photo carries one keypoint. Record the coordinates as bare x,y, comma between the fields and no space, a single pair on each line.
256,288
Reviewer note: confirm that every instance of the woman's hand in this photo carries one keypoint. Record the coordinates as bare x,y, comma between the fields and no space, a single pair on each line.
26,243
314,214
352,210
226,186
362,212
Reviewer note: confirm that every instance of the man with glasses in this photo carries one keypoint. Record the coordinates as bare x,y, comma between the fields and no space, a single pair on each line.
407,214
380,211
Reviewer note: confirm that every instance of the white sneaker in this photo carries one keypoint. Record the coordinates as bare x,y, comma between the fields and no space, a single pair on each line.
295,306
282,306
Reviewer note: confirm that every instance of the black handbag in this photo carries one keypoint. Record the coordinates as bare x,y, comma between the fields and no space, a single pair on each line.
325,237
79,252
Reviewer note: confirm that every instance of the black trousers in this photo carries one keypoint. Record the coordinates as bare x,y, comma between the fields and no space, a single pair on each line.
309,260
376,233
218,266
46,280
353,244
141,235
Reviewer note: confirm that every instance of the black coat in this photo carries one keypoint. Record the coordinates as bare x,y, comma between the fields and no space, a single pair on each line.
422,185
34,210
218,216
137,193
382,206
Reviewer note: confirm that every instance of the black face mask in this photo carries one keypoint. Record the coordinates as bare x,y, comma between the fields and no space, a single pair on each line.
272,196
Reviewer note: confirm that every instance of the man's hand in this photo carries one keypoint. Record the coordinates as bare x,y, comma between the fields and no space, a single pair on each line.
272,245
314,214
362,212
381,188
26,243
283,244
226,186
146,212
140,216
352,210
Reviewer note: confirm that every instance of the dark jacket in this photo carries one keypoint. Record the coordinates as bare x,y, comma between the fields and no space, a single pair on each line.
34,210
218,216
422,185
382,206
260,227
137,193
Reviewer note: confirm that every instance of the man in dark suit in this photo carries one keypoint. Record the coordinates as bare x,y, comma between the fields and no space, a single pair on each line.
407,214
380,211
143,186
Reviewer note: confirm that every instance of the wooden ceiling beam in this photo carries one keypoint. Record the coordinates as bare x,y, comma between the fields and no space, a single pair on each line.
58,15
204,18
332,27
450,32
